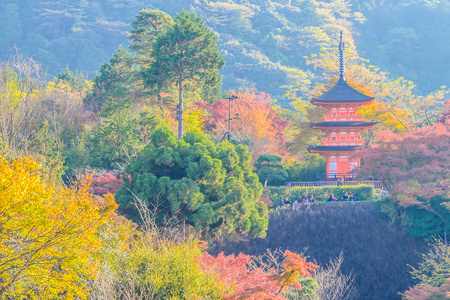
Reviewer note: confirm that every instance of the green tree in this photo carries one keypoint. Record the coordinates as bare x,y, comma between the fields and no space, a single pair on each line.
211,188
187,52
115,80
115,137
267,163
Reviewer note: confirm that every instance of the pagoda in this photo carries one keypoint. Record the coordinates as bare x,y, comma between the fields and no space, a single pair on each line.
342,125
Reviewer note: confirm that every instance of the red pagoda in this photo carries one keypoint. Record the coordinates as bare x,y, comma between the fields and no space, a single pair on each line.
342,125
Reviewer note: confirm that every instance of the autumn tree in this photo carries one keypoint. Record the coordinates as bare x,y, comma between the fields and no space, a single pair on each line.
245,282
414,169
187,52
49,234
209,187
258,125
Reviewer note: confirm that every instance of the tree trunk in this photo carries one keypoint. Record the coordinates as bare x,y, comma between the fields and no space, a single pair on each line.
267,179
180,109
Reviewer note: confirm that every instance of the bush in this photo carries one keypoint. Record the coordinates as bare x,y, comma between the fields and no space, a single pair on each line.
364,192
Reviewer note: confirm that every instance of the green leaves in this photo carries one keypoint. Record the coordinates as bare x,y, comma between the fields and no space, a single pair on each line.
210,187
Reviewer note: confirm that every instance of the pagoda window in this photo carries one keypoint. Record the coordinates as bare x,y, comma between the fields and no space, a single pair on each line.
343,144
333,166
352,144
353,164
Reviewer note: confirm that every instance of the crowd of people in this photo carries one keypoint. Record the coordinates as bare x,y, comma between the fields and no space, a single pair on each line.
310,199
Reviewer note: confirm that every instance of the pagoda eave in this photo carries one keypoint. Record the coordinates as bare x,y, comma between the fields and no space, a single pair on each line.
325,149
343,125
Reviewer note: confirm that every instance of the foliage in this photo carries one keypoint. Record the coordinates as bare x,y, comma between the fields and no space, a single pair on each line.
108,183
305,168
245,283
414,170
257,124
267,163
49,234
186,52
429,292
321,194
435,266
376,254
212,188
154,263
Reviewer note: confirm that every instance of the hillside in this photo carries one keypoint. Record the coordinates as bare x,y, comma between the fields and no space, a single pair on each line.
377,254
264,42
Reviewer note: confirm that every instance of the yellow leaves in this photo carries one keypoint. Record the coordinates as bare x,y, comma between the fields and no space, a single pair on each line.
57,224
390,118
194,119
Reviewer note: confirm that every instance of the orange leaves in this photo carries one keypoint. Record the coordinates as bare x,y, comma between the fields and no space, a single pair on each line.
243,283
256,125
48,236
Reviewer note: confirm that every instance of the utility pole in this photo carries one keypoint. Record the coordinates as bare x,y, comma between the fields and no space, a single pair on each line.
228,133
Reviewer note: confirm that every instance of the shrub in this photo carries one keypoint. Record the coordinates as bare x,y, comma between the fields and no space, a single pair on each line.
364,192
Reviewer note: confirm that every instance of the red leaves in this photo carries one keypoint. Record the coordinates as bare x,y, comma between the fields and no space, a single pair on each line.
412,166
243,283
105,184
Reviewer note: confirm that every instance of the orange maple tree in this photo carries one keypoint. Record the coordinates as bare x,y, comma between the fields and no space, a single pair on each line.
257,124
245,283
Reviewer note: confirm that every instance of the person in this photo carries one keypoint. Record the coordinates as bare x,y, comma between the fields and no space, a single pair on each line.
352,197
295,204
303,199
345,197
331,198
311,198
281,202
286,201
356,197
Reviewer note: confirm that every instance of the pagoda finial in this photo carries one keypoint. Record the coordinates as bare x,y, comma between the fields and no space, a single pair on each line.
341,60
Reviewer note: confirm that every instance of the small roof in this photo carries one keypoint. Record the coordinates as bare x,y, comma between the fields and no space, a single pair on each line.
343,124
336,148
342,92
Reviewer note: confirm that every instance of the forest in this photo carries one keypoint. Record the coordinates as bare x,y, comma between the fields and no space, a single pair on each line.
145,145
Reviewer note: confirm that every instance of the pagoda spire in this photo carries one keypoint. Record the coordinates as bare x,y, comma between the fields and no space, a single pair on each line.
341,60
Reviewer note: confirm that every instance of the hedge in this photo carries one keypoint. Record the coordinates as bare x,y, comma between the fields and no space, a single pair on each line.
364,192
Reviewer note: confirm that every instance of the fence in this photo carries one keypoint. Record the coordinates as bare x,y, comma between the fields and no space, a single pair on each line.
376,184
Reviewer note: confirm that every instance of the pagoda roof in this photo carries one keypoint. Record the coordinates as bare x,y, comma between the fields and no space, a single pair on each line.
343,124
335,148
342,92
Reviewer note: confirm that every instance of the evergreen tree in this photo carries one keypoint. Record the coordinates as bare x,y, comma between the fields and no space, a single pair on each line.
211,188
186,52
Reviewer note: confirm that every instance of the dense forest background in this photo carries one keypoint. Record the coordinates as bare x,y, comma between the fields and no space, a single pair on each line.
265,43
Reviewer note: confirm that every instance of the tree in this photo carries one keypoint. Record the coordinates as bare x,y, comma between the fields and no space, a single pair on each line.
116,79
258,125
186,52
414,169
211,188
246,282
149,24
434,270
48,241
267,162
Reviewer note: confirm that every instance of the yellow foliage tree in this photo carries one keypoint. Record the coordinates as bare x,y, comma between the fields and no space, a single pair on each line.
48,234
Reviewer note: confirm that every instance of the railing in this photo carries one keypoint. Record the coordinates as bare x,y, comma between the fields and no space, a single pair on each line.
376,184
334,175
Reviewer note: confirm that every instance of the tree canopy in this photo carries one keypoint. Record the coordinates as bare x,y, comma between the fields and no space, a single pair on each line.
211,188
